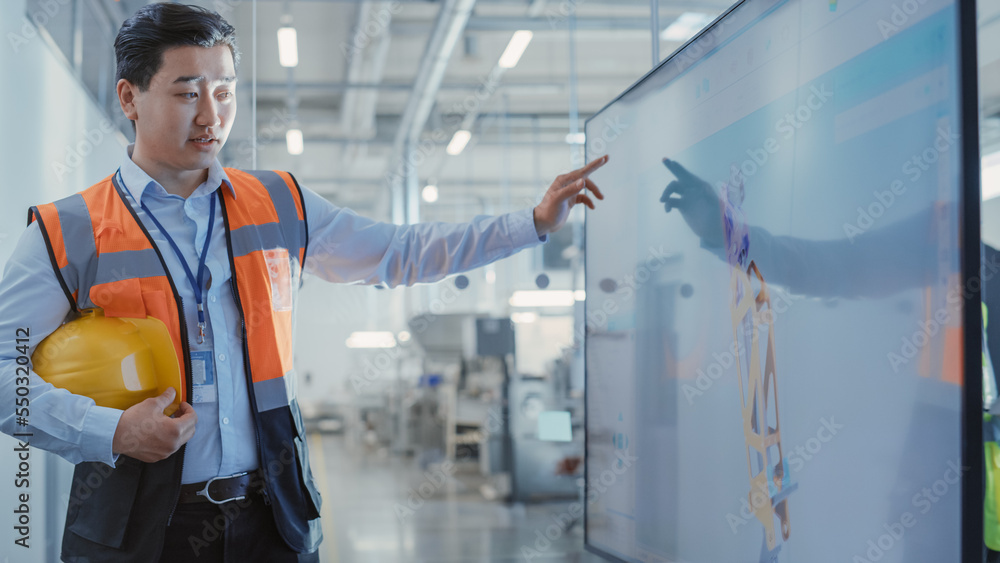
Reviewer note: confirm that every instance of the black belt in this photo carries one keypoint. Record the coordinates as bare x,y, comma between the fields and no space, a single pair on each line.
220,490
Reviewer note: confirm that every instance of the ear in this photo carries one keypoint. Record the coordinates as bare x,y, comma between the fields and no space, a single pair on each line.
127,93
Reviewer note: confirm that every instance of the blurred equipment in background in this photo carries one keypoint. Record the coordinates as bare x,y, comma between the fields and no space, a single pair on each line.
512,435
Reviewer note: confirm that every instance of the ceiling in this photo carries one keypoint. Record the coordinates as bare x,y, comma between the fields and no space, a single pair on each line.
353,134
365,79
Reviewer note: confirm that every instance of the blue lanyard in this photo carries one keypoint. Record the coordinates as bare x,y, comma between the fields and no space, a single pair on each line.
196,283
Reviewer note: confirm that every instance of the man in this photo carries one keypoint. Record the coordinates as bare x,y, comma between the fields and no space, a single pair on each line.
216,255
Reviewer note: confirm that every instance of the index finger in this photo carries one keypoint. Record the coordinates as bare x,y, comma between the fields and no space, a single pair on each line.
586,170
679,171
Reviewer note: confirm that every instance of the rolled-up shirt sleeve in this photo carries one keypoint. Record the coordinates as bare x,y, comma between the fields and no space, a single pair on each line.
32,301
348,248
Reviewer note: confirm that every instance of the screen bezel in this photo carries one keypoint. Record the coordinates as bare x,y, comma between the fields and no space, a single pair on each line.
972,542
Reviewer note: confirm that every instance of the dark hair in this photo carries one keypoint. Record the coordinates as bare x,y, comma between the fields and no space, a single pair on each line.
157,27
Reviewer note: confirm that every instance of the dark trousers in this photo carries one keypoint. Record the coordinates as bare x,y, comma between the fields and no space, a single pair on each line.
238,531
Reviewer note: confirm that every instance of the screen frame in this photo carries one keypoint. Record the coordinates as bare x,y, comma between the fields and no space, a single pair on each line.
973,457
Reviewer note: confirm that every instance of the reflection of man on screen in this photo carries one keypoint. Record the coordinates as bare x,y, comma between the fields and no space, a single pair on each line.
879,263
882,262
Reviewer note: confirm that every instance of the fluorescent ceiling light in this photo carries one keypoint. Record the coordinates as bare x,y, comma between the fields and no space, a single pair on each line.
542,298
686,26
288,47
524,318
430,193
458,142
293,138
403,336
991,176
576,138
580,295
372,339
512,54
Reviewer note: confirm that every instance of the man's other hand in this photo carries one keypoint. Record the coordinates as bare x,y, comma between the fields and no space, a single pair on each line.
147,434
563,194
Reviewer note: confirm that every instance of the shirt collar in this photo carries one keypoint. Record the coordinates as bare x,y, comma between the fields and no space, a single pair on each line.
136,179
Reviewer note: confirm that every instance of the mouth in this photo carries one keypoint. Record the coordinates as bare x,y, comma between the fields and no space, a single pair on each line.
203,141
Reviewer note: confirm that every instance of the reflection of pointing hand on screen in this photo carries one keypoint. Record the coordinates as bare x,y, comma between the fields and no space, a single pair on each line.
895,253
697,201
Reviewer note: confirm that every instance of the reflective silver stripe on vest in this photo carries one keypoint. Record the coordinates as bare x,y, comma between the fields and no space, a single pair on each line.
273,393
128,264
284,205
252,238
80,245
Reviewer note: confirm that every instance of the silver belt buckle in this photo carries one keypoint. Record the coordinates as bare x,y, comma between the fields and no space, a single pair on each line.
204,492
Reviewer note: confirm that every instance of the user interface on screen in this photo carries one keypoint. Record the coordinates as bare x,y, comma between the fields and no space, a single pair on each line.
774,331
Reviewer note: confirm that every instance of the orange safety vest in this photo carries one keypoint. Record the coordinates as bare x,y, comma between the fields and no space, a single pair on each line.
104,257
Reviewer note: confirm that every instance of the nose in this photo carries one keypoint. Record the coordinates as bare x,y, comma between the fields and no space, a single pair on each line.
208,113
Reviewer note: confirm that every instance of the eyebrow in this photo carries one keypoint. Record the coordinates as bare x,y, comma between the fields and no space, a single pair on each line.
201,78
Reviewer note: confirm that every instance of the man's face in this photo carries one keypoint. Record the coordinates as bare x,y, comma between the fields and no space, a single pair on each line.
184,117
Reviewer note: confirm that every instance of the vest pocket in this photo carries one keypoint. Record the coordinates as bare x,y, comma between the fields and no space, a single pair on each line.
302,455
100,502
155,305
309,486
122,298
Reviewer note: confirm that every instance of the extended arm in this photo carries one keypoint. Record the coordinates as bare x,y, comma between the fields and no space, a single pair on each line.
345,247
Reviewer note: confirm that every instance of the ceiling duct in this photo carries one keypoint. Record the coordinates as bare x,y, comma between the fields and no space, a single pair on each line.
448,29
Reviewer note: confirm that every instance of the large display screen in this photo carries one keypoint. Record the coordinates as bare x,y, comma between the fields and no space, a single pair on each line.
776,293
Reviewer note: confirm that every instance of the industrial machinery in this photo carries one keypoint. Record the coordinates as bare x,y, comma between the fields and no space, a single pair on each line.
472,405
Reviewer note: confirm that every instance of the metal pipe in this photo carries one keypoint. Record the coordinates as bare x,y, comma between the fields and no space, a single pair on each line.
77,57
574,86
357,112
396,192
491,23
408,86
253,86
449,26
505,170
654,23
359,106
448,29
412,184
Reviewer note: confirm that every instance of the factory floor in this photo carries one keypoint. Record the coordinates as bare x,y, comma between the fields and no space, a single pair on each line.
374,511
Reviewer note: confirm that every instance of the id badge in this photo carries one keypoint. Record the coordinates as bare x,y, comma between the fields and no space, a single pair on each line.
203,377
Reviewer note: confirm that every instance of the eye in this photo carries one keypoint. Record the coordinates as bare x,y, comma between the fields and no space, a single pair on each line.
188,95
225,95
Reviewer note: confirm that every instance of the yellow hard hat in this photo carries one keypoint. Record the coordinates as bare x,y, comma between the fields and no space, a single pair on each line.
116,361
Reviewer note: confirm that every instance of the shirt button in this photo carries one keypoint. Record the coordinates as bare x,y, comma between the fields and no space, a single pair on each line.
211,298
222,357
225,420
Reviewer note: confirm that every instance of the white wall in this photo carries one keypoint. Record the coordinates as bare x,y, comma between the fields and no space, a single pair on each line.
46,119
